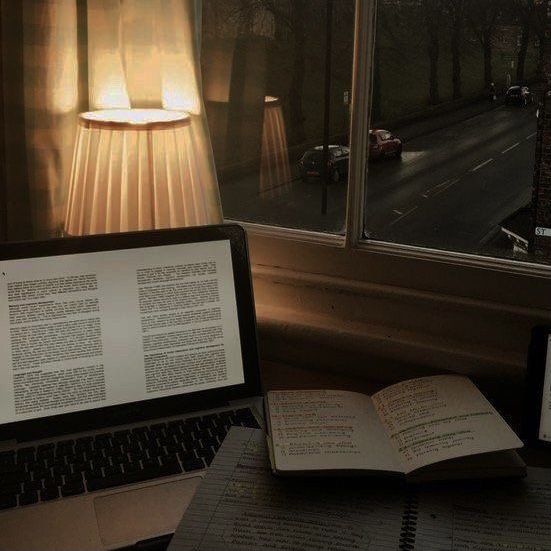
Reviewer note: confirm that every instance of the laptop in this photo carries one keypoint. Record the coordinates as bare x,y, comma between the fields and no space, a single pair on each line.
125,360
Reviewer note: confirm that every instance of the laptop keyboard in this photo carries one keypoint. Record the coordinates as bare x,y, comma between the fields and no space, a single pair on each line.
90,463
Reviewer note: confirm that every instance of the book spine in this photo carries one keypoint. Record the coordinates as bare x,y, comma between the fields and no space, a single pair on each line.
409,523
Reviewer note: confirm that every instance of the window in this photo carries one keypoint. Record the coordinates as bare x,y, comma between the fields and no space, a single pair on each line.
453,93
277,77
460,96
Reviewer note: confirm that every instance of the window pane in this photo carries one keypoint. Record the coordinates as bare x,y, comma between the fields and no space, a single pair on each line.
456,86
273,99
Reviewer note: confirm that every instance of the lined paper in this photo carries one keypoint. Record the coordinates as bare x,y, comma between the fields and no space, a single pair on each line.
241,506
507,515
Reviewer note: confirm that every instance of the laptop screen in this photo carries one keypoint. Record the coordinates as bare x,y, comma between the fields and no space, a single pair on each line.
103,328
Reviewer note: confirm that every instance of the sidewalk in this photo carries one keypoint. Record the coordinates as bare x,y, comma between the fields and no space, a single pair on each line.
438,117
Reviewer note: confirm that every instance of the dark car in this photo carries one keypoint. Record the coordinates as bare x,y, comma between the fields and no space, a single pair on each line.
311,163
383,143
518,95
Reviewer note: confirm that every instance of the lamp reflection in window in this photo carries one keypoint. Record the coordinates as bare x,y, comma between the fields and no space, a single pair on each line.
275,172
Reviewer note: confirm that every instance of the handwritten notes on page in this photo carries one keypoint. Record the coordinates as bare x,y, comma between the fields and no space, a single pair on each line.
241,506
512,516
328,429
442,417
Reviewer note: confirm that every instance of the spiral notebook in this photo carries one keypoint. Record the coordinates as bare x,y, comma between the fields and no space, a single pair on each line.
240,506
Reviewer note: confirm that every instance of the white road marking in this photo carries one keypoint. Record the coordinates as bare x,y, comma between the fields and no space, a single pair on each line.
397,211
510,147
450,184
481,165
428,191
439,188
404,215
530,136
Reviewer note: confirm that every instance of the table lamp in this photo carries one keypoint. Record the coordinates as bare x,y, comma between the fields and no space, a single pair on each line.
134,169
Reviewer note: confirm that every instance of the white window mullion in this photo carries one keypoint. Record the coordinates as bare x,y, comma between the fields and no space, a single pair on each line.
364,42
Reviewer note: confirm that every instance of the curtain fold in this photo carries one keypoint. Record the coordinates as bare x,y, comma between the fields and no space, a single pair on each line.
78,55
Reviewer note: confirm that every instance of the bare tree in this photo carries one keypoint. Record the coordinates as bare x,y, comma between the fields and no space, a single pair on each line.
525,14
292,15
483,16
540,22
455,10
433,12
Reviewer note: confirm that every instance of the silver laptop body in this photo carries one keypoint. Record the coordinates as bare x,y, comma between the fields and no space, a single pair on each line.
125,359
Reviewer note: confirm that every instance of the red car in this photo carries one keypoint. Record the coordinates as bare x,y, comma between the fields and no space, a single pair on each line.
383,143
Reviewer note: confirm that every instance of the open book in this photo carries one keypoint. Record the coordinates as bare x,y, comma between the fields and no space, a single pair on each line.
430,428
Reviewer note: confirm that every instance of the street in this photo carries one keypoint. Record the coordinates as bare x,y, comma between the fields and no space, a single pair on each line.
450,189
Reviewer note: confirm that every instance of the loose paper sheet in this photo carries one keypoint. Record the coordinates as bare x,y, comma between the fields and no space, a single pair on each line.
241,506
328,429
512,515
436,418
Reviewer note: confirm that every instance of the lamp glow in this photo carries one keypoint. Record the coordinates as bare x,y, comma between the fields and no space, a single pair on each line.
135,169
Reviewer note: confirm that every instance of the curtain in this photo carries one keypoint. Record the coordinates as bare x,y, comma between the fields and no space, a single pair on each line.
62,57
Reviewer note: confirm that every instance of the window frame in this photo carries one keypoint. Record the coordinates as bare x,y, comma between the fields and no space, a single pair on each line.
453,276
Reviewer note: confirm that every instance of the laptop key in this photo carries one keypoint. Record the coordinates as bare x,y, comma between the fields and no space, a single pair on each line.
7,501
52,481
193,465
49,493
73,489
151,463
73,478
10,468
28,498
95,484
12,478
9,488
132,467
31,485
207,454
112,470
169,459
187,456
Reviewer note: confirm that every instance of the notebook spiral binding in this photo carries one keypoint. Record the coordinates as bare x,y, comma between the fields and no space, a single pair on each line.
409,523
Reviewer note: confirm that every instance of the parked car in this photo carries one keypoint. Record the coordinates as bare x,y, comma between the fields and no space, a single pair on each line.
383,143
518,95
311,163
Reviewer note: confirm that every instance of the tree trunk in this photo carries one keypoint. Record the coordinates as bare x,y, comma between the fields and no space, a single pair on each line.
456,56
487,47
541,53
433,50
376,113
521,60
296,113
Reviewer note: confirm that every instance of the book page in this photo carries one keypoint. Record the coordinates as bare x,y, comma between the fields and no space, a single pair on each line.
90,330
512,515
241,506
436,418
327,429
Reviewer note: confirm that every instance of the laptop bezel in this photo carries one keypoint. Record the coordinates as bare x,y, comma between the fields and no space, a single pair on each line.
98,418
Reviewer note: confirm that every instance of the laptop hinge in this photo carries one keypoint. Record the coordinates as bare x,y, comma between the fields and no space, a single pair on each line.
40,431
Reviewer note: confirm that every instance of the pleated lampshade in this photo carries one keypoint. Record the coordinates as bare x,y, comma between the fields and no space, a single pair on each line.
134,169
